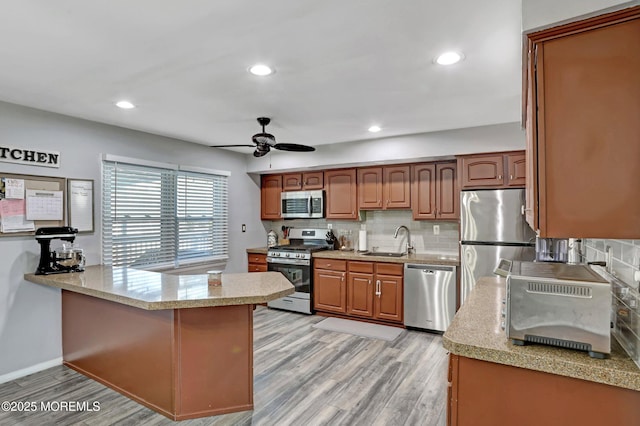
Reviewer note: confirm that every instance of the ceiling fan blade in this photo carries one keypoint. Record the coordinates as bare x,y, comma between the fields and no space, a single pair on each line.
293,147
230,146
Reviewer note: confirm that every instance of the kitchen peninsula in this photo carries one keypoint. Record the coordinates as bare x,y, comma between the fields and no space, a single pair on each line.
493,382
170,342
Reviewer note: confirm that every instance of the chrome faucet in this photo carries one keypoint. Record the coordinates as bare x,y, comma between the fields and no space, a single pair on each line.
409,246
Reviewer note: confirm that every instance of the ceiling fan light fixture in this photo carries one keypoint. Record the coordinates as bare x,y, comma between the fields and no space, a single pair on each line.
261,70
449,58
125,105
375,129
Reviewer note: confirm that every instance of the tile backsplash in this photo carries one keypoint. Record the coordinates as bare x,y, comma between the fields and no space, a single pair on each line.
380,226
625,255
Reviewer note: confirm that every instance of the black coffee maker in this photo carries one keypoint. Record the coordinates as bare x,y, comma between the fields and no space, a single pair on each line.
66,259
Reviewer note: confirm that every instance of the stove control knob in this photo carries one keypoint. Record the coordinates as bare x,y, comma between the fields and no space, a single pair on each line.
287,255
299,255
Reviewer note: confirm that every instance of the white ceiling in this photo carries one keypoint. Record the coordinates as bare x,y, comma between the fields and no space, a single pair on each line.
341,65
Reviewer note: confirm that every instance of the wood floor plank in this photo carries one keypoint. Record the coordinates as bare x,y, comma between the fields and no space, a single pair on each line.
302,376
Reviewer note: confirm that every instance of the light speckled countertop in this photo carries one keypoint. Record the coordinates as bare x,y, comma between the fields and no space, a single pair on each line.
424,259
155,291
476,333
258,250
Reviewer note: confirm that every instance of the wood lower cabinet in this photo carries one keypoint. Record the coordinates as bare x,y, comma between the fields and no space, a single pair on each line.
583,128
330,286
270,204
342,194
435,193
494,170
257,262
374,291
485,393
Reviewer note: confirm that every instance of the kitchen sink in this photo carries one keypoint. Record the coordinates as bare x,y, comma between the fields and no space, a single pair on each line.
383,254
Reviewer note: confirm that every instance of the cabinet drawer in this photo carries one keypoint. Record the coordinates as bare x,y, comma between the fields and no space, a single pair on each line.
332,264
389,268
258,258
366,267
257,267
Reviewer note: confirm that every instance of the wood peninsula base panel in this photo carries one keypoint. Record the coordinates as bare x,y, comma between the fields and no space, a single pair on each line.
485,393
182,363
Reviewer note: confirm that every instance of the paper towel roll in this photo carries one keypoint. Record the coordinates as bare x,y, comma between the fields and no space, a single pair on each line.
362,240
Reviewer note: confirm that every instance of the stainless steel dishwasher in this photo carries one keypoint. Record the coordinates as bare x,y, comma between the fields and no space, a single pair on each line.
429,296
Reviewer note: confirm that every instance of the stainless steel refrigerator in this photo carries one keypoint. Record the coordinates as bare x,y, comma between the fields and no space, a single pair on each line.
492,226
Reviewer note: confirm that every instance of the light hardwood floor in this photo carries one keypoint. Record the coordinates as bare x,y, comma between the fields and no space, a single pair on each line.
302,376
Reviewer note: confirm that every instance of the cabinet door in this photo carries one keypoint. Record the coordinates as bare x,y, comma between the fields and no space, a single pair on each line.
360,294
329,291
482,171
531,184
256,267
516,170
342,194
292,182
396,189
388,303
588,89
423,191
270,191
370,188
313,180
447,193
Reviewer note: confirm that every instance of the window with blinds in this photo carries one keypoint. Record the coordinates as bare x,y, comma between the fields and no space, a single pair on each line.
154,217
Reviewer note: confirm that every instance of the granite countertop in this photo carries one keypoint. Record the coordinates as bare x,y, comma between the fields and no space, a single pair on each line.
476,333
258,250
424,259
155,290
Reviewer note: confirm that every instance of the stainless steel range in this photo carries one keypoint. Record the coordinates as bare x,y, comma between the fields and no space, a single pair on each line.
294,261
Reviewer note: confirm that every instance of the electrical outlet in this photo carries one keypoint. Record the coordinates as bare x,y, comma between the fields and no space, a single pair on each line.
244,228
436,229
329,226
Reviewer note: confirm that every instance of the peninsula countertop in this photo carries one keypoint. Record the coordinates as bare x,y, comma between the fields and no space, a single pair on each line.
476,333
155,290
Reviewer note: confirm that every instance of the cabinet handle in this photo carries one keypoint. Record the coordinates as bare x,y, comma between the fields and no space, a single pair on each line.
378,292
523,209
499,177
343,277
387,202
510,177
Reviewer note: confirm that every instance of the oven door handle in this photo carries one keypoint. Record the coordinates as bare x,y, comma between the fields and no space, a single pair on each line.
281,261
309,203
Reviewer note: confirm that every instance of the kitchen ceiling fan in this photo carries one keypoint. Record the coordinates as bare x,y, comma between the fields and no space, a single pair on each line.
265,141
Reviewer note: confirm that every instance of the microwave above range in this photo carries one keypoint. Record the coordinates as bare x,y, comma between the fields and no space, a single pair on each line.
302,204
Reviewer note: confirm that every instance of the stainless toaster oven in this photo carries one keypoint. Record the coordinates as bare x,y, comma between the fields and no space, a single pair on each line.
558,304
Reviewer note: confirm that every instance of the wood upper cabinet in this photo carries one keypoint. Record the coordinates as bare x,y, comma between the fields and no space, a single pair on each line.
341,194
386,187
329,290
435,193
495,170
584,141
270,190
302,181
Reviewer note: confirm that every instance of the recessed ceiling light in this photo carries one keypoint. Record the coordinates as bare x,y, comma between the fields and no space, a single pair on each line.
261,70
449,58
374,129
125,105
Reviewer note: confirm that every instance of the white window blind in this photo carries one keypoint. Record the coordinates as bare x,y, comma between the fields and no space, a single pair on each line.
155,217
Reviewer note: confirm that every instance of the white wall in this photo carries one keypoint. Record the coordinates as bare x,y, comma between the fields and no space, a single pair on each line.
410,148
538,14
30,313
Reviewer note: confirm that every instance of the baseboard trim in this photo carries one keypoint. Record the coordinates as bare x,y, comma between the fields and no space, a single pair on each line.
30,370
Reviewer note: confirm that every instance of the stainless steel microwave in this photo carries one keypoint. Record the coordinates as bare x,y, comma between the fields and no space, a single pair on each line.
302,204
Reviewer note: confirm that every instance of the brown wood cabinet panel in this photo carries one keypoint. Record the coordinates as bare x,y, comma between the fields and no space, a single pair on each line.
423,188
365,267
388,305
390,268
270,190
329,291
256,267
516,170
486,393
396,188
292,182
369,188
360,294
332,264
482,171
257,258
313,180
587,86
447,193
342,194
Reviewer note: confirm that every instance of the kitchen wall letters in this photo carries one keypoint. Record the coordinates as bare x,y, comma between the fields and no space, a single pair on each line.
9,154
